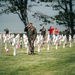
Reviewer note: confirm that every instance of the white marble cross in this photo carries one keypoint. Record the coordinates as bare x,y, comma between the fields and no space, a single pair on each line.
54,38
39,41
70,41
48,41
64,41
14,43
26,43
57,41
42,40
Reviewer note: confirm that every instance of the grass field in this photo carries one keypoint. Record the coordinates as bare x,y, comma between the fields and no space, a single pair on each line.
52,62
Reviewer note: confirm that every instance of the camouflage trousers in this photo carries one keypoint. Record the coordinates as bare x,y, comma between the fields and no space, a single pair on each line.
31,46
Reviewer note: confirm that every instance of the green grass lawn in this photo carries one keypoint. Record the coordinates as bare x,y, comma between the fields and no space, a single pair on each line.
52,62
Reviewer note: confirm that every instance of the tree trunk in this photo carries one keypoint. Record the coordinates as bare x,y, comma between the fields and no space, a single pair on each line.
71,18
23,11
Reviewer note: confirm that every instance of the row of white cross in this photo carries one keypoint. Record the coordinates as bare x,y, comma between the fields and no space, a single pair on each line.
15,40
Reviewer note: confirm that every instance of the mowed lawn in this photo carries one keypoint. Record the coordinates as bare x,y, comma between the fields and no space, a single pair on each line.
52,62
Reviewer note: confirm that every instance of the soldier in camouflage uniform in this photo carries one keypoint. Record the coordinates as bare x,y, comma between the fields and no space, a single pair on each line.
31,34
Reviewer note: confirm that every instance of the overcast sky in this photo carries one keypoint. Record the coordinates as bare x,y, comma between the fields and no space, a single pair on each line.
14,24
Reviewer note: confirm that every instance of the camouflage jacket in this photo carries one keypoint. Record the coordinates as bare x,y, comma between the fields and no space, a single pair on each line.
31,33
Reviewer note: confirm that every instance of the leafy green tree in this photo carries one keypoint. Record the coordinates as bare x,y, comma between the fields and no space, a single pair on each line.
66,14
16,7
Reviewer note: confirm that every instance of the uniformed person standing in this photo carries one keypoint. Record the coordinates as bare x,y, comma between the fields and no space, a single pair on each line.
31,34
43,33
